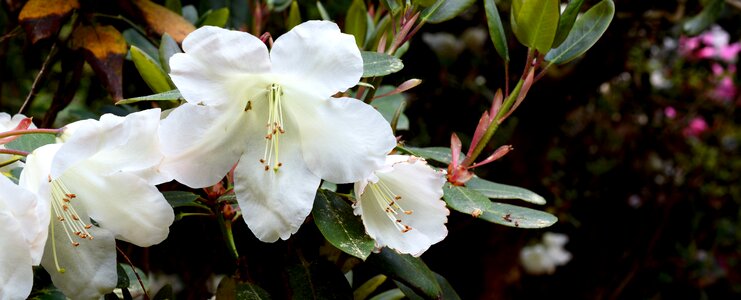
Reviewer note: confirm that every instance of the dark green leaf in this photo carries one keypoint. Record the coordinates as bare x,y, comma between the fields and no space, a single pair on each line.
368,287
150,71
393,5
356,21
217,18
169,95
448,291
123,277
294,16
109,296
516,216
444,10
535,22
317,280
567,21
174,5
29,142
168,48
496,29
465,200
230,290
135,38
409,270
338,224
439,154
182,198
503,191
165,293
388,105
379,64
586,32
707,17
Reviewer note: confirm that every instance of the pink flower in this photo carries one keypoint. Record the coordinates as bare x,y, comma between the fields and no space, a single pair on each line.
670,112
696,127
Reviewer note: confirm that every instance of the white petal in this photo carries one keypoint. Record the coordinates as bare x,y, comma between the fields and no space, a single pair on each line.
201,144
342,140
123,203
420,188
35,178
212,58
316,52
16,274
274,204
89,269
24,206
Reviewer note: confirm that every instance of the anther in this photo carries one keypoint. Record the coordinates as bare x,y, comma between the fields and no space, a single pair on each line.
75,244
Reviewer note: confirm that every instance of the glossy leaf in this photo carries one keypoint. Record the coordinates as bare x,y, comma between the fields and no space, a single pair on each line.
379,64
217,18
294,16
503,191
356,21
535,22
134,38
230,290
160,20
169,95
165,293
338,224
104,49
29,142
150,71
568,17
465,200
448,292
123,278
168,48
586,32
438,154
388,106
516,216
409,270
182,199
42,18
496,29
317,280
368,287
707,17
443,10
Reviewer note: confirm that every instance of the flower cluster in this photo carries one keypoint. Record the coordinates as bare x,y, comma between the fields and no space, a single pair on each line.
269,115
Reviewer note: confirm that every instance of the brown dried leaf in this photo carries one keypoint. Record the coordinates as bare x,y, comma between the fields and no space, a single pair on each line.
104,49
42,19
161,20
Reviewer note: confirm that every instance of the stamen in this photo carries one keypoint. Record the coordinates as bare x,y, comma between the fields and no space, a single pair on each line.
389,202
274,128
67,215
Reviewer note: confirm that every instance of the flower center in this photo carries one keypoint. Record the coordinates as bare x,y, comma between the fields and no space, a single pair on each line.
274,128
389,202
64,212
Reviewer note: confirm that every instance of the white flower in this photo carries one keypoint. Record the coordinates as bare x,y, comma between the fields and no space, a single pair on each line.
543,258
400,205
22,239
103,172
272,112
8,123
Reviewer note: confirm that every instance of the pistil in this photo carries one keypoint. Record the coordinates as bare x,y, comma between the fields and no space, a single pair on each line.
274,128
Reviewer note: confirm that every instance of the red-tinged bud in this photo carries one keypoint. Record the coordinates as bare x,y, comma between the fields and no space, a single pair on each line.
228,211
501,151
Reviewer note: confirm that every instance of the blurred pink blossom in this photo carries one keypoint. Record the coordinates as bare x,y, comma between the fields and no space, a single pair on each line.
696,127
725,89
711,44
670,112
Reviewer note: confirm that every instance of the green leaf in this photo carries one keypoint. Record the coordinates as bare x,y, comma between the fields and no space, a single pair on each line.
135,38
448,292
169,95
535,22
29,142
444,10
393,5
190,13
150,71
388,105
439,154
516,216
465,200
217,18
393,294
496,29
181,198
165,293
168,48
586,32
409,270
123,277
322,12
356,21
503,191
318,280
379,64
567,21
338,224
368,287
294,16
707,17
174,5
230,290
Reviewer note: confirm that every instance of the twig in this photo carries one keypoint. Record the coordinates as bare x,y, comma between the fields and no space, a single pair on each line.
146,296
35,86
14,152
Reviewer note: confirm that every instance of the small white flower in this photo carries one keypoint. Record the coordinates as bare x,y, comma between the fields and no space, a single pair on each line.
272,112
400,205
101,172
543,258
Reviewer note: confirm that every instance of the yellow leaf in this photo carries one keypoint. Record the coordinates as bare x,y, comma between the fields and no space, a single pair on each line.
42,19
161,20
104,49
